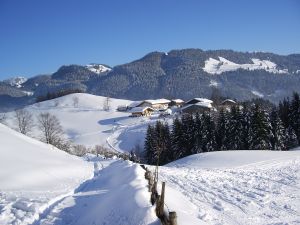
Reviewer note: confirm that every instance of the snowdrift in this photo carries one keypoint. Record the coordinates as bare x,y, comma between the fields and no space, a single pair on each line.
232,159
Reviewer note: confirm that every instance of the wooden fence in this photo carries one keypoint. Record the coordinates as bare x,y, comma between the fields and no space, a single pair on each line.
159,200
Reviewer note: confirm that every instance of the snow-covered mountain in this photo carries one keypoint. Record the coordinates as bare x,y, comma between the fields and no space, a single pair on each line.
16,81
98,68
184,74
222,65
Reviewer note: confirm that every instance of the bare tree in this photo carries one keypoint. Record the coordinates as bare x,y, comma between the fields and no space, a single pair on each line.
52,132
106,104
79,150
24,121
75,101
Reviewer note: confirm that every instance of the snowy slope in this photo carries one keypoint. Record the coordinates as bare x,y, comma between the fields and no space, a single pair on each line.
87,123
235,187
221,65
32,175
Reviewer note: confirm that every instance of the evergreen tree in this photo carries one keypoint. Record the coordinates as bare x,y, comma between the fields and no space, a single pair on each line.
209,139
284,112
245,134
291,138
177,139
198,133
166,146
221,130
278,139
261,130
158,144
150,148
234,129
188,128
294,115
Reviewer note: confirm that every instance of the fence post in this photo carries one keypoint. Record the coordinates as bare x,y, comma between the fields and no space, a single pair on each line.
162,200
150,182
154,193
173,218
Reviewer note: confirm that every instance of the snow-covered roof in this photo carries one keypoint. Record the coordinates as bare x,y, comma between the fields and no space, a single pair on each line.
201,100
228,100
134,104
178,100
140,109
157,101
201,104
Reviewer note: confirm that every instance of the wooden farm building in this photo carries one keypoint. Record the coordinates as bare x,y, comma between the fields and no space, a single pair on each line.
227,104
157,104
176,102
196,100
199,107
141,111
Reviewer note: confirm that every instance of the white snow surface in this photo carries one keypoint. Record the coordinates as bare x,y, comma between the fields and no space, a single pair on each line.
86,123
16,81
40,184
97,68
117,195
221,65
32,175
234,187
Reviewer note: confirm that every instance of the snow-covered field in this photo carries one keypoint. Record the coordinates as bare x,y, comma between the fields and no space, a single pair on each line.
235,187
33,175
87,123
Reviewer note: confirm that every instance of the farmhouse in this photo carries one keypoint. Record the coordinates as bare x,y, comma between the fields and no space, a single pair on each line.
176,102
141,111
199,107
157,104
227,104
196,100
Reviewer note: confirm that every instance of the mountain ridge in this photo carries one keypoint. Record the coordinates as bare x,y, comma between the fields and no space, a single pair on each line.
179,73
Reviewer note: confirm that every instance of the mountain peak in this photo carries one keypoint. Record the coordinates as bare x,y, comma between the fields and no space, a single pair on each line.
16,81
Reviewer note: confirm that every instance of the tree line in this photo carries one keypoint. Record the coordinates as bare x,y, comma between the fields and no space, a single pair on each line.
244,127
53,95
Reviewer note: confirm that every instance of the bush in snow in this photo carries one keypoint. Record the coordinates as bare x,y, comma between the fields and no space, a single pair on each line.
52,132
24,121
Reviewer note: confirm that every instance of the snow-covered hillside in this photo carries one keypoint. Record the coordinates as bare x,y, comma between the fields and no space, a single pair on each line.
16,81
235,187
86,123
34,174
97,68
221,65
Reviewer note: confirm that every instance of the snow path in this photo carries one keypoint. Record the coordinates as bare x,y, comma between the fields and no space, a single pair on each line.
116,195
266,192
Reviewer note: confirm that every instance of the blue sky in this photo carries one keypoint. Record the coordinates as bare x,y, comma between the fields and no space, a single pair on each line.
38,36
